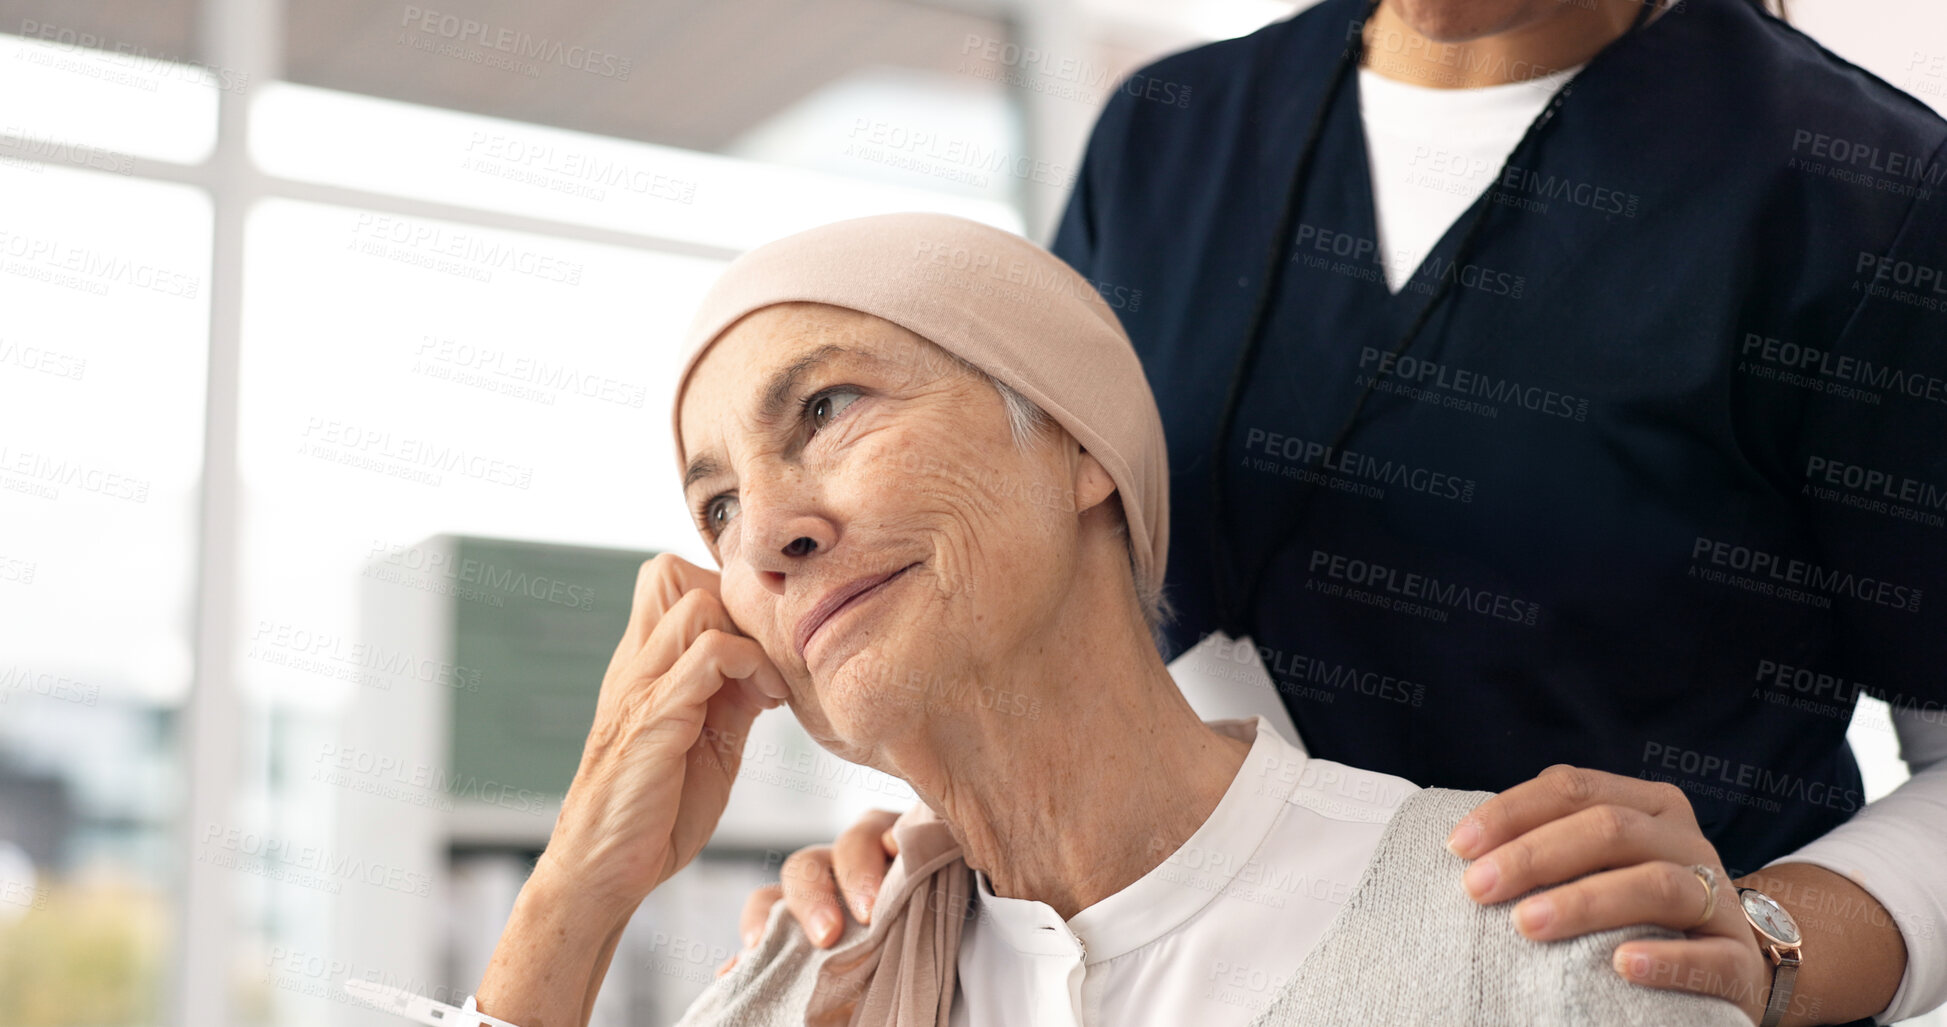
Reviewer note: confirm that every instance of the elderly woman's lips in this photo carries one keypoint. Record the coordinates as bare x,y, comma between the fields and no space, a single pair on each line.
840,599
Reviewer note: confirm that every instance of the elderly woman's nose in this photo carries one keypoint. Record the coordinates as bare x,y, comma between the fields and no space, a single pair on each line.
780,540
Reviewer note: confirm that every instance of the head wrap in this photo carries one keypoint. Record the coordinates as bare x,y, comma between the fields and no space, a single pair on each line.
993,299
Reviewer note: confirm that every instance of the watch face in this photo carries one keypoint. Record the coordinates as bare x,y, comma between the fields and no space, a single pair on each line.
1769,917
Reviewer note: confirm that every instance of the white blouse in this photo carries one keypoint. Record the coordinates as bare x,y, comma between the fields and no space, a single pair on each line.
1210,935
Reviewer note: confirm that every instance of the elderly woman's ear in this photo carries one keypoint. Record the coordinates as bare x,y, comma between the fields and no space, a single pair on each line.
1092,483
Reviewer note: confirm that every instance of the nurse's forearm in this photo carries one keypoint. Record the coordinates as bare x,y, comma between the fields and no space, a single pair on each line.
550,959
1854,955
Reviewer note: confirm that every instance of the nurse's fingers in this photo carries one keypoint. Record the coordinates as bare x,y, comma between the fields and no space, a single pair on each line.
750,925
811,896
1657,892
1728,968
1555,793
757,910
860,859
1588,840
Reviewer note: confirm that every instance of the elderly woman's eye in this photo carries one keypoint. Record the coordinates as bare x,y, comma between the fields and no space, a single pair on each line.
823,408
717,512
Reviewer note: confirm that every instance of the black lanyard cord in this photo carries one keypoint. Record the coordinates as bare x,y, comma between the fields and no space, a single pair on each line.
1231,616
1221,566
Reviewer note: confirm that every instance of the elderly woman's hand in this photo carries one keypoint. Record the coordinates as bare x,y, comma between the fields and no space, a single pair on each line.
675,707
680,693
1637,841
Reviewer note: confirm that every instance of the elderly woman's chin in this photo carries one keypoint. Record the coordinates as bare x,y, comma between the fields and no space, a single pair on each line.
879,668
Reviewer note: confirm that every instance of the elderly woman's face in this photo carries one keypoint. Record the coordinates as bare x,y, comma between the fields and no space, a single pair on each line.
880,533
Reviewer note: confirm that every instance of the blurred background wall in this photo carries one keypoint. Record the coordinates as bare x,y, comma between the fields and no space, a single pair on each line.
335,338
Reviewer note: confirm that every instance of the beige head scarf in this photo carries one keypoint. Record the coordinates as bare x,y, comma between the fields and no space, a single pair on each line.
993,299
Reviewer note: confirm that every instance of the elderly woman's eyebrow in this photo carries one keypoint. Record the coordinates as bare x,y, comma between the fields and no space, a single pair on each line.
777,394
778,391
700,468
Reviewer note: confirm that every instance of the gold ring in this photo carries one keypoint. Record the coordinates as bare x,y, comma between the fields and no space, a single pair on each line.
1708,878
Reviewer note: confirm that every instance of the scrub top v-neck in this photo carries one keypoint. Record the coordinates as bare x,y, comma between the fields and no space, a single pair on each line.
1597,511
1432,153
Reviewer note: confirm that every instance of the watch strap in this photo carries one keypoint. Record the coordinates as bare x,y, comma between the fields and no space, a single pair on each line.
1783,977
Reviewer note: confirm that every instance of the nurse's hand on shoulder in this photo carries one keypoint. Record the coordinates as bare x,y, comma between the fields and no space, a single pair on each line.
822,883
1637,841
670,722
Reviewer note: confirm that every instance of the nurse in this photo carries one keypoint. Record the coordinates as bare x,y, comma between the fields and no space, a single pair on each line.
1561,383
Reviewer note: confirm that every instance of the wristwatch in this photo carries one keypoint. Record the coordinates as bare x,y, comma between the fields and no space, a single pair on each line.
1779,938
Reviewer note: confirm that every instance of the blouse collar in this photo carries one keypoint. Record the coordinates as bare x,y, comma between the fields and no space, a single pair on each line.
1221,851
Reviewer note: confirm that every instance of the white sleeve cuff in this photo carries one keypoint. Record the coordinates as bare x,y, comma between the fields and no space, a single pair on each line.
1892,849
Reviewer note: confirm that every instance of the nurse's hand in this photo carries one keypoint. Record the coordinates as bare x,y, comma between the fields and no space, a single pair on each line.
668,735
1637,841
820,884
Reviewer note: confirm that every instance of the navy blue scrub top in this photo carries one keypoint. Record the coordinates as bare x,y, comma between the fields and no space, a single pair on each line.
1661,485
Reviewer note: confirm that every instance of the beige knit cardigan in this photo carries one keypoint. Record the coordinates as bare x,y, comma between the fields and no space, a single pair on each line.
1408,947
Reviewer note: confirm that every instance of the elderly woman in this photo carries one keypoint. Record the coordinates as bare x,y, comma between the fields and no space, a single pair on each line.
927,462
